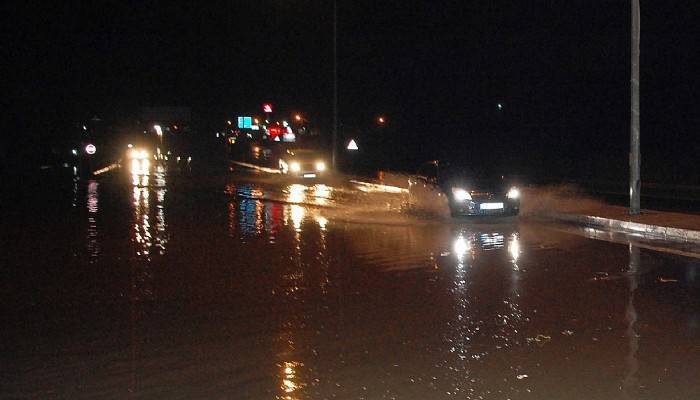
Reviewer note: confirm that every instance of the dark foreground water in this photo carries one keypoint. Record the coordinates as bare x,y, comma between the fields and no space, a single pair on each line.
250,287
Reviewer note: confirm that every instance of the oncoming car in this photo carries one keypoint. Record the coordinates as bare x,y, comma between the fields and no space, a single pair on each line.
304,163
139,161
468,192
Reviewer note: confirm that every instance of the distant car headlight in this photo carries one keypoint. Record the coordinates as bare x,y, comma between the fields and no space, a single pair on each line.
513,193
135,154
460,194
295,166
320,166
140,167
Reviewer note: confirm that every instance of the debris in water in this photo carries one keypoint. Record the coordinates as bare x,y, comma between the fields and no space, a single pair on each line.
604,276
540,339
522,376
567,333
667,280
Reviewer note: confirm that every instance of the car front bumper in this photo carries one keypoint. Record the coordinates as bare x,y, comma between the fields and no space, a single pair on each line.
485,207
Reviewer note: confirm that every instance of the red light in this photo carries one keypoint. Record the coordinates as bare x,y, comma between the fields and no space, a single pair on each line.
267,107
275,131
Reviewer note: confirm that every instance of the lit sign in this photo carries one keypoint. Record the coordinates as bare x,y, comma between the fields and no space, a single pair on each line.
275,131
267,107
90,149
352,145
245,122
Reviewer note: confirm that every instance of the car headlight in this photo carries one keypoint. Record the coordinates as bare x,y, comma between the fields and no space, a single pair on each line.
513,193
460,194
295,166
135,154
320,166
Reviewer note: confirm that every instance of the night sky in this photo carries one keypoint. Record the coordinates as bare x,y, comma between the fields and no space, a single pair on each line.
437,70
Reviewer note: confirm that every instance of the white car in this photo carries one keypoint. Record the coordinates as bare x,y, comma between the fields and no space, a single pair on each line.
304,163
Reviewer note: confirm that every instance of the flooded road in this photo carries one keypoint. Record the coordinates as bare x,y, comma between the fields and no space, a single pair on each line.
252,287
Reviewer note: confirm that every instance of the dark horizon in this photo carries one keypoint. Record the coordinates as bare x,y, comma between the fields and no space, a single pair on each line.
437,72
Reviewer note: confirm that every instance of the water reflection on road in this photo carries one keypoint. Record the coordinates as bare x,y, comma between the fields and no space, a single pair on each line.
450,251
150,239
292,292
496,274
93,208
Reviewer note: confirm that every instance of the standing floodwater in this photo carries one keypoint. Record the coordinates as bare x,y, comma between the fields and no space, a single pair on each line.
239,286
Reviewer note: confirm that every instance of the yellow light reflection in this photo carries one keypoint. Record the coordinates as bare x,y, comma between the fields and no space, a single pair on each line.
140,167
514,248
297,193
289,386
322,222
297,216
260,217
322,193
149,230
461,247
142,234
93,208
290,380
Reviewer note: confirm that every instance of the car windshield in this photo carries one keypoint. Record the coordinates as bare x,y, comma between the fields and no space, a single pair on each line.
460,172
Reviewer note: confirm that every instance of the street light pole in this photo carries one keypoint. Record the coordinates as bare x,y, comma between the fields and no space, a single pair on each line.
335,84
634,159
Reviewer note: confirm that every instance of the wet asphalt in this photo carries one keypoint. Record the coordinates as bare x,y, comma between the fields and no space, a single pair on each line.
251,286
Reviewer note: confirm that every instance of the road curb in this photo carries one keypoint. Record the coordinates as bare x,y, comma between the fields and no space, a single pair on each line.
656,231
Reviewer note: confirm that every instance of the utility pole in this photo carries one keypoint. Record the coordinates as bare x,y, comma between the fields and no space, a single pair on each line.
635,181
335,84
